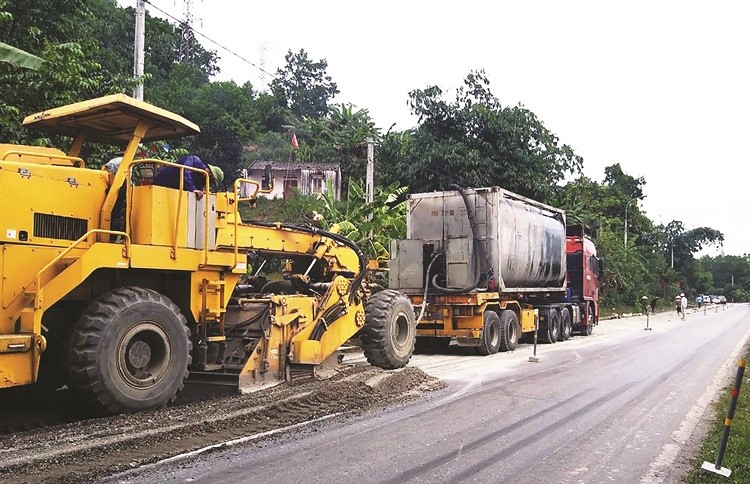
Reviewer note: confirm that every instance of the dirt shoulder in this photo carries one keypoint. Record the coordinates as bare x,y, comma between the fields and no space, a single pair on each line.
90,450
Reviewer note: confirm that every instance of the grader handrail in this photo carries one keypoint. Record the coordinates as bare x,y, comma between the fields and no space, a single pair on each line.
237,219
38,279
176,230
33,154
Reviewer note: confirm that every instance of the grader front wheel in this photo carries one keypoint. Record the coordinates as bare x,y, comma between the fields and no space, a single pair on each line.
130,351
390,330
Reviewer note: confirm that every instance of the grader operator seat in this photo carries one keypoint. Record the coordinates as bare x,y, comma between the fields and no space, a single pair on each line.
117,120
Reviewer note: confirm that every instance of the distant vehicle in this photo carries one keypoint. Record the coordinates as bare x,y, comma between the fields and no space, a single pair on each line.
715,299
722,300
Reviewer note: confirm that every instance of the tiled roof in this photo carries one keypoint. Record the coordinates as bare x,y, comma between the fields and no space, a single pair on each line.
291,165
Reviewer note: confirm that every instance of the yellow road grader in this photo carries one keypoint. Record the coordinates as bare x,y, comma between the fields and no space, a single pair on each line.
122,316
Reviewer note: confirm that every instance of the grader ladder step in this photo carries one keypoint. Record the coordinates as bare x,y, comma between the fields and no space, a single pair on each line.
215,286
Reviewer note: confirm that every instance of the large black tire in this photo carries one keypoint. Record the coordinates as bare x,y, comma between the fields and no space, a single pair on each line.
509,330
566,325
589,328
549,330
390,330
489,342
130,352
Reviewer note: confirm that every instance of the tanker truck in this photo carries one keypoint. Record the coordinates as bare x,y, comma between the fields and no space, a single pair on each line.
486,268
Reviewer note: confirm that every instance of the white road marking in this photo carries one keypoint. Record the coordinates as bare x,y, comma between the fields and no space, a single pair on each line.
223,445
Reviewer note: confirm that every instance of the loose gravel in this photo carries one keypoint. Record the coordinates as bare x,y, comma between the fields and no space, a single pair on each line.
91,450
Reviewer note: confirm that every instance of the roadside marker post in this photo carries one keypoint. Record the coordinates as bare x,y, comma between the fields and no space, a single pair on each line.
647,328
717,468
534,358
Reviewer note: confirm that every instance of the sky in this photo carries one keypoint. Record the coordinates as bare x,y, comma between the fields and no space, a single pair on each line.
661,87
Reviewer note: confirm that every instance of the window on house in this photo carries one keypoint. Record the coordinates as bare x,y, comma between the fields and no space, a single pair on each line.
290,184
317,185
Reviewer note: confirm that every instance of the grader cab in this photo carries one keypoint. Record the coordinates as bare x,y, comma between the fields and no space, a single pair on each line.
122,316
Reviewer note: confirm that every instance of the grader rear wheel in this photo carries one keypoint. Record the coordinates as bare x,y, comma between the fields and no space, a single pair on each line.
130,352
389,333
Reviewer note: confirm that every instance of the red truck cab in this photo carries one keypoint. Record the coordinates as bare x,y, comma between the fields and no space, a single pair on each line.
584,269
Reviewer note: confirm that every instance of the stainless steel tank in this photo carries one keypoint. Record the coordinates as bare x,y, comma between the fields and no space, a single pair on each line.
524,240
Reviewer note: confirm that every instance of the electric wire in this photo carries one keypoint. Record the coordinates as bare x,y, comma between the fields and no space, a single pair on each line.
185,26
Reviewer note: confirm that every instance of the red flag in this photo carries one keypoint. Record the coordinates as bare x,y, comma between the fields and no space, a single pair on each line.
295,145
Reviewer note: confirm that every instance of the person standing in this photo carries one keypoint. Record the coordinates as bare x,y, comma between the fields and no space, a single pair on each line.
644,305
653,304
192,181
683,305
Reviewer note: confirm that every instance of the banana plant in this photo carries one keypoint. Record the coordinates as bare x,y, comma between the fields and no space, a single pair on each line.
371,226
19,58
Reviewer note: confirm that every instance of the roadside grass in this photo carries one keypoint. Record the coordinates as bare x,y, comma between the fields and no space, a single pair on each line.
737,457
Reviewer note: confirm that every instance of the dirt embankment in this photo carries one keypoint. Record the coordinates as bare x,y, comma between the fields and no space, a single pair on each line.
89,450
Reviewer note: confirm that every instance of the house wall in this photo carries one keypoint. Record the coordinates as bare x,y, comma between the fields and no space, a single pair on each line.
305,180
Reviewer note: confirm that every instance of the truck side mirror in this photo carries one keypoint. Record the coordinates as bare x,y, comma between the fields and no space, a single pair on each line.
600,268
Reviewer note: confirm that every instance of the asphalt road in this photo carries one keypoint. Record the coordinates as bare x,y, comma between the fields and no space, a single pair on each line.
619,406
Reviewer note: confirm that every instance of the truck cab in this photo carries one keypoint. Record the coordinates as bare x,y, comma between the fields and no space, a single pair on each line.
584,271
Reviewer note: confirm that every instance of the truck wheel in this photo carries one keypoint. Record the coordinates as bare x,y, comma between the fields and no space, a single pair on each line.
489,342
130,352
549,329
389,333
508,330
566,325
589,328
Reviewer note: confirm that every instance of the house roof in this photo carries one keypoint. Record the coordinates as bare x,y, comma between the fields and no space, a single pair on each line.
286,165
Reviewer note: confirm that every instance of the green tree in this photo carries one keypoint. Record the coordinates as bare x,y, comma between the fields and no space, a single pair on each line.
474,141
304,86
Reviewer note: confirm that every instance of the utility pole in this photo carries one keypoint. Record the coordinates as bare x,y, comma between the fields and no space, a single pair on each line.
671,247
369,180
625,234
140,41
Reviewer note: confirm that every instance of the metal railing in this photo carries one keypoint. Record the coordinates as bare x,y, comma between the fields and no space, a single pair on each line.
237,219
20,153
176,230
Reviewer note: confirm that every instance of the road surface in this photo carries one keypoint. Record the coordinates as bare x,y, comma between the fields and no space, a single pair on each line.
619,406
